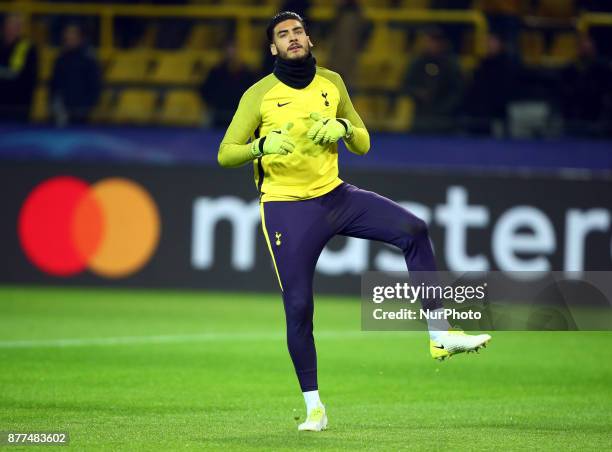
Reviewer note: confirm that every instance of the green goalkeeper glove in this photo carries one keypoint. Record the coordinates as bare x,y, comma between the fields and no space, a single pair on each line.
325,131
276,142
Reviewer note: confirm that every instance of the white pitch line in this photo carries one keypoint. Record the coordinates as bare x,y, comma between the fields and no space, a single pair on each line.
169,339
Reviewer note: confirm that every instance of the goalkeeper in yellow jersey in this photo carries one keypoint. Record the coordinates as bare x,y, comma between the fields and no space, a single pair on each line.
288,125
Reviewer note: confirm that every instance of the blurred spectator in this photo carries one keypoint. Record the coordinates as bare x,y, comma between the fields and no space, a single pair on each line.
435,82
504,18
345,40
18,71
586,87
75,83
224,86
127,30
492,88
453,31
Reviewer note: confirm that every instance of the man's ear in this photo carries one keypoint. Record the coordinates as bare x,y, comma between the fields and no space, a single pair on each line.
310,42
273,49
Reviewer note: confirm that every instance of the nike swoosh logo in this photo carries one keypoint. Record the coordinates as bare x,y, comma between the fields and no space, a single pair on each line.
441,347
282,105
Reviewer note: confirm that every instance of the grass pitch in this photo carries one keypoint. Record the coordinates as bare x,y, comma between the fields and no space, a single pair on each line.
141,370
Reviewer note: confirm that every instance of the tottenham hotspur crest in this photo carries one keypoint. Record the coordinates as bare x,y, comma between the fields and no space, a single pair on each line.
278,238
325,98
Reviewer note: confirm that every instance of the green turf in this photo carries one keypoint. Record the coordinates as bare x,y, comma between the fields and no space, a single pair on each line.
211,371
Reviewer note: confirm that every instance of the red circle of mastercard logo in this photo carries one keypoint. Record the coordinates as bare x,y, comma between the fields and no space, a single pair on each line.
111,227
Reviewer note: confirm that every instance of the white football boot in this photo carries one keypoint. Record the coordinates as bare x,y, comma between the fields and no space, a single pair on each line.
452,342
316,420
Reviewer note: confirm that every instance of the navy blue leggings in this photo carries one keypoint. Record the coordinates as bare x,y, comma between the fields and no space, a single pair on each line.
297,232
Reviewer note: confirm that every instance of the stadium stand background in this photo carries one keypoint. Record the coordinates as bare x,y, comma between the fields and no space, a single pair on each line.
155,56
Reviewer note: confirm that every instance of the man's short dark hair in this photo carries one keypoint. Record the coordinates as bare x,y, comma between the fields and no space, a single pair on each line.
281,17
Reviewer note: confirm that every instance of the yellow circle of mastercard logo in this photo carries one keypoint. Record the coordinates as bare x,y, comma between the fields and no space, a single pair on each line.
111,227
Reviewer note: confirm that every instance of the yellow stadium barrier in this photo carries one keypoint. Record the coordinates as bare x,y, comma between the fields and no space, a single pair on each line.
243,16
588,20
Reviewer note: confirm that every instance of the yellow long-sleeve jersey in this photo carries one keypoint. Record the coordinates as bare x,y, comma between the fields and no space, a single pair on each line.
311,170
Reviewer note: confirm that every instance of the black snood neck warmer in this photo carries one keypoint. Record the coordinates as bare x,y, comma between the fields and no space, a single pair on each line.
295,73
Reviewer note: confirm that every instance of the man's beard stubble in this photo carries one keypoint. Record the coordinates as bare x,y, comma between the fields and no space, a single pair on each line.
285,56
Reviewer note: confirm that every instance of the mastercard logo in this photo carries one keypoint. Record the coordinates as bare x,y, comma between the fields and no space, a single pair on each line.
111,227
